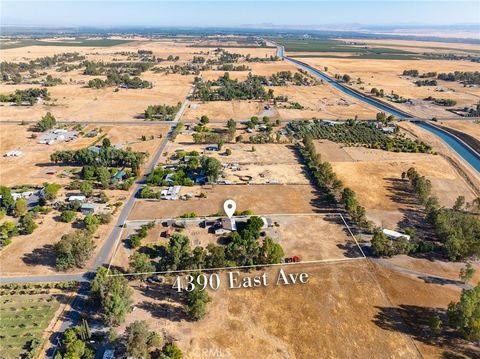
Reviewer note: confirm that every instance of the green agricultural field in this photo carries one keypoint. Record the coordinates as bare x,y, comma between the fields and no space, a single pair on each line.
24,318
11,44
357,51
316,45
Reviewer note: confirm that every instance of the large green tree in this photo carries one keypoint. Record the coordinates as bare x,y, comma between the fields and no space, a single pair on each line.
47,122
112,295
73,250
465,314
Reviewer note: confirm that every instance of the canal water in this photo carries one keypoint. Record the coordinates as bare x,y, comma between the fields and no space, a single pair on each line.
467,153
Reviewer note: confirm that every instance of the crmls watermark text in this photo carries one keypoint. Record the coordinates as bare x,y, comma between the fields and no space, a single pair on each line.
210,353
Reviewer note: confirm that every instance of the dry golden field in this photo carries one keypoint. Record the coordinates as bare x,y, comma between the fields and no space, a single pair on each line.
468,126
333,315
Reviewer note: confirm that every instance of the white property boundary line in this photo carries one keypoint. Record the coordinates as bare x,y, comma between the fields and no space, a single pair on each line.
332,260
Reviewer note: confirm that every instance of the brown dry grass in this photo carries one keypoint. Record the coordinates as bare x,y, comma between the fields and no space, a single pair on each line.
330,316
263,199
468,126
413,303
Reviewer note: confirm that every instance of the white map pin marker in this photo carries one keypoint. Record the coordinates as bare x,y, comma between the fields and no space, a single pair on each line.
229,207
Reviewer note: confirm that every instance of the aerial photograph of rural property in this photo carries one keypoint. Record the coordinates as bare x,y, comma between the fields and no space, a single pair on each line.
239,179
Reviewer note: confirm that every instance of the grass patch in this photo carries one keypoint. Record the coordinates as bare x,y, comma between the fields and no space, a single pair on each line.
23,318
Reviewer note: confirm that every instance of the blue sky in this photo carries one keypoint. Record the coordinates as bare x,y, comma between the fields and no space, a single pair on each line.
237,13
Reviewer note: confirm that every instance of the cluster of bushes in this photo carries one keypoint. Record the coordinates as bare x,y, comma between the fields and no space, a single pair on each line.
52,81
47,122
107,157
232,67
102,175
135,240
35,288
225,57
458,228
323,175
73,250
441,101
357,133
123,80
451,56
186,69
426,83
415,73
226,89
467,78
375,92
75,343
382,246
162,112
270,58
111,295
30,95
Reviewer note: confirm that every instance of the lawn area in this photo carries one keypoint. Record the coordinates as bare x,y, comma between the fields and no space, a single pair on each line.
23,318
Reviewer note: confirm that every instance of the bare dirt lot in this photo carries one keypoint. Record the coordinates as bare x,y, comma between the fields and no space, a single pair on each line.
264,199
338,308
386,75
384,195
